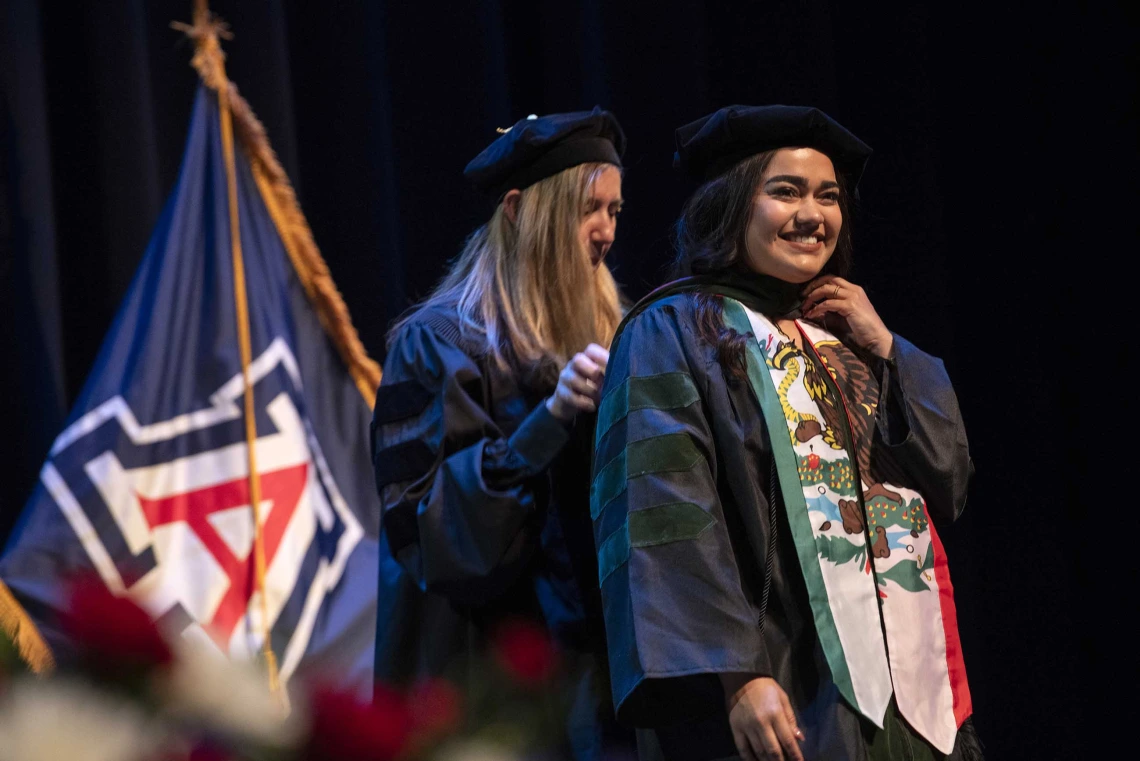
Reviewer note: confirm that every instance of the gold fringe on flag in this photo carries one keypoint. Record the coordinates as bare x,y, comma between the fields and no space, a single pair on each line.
281,201
17,626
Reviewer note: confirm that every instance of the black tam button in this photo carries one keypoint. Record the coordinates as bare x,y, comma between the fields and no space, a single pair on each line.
715,143
538,147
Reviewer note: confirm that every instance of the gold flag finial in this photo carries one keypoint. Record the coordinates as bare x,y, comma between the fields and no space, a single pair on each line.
209,60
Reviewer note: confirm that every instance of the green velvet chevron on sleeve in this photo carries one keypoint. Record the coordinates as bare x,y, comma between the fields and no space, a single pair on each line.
657,454
667,391
661,524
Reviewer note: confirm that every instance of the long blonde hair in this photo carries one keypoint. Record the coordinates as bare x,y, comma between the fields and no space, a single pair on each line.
527,289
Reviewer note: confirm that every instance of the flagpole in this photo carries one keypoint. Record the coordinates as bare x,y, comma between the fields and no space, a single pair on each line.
242,305
209,60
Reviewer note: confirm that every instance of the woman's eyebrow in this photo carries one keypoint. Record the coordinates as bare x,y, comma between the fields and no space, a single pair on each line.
801,182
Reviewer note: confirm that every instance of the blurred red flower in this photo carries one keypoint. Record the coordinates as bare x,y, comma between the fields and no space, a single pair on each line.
112,631
436,706
209,752
346,729
200,751
526,652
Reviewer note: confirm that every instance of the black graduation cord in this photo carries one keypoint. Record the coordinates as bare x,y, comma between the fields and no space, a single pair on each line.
771,554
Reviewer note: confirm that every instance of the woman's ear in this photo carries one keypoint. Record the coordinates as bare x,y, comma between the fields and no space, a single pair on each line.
511,205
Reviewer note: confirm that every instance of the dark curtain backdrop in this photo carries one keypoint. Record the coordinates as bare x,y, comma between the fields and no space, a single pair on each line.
995,216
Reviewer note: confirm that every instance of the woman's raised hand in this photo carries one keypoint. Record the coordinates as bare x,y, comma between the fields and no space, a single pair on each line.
845,310
762,721
579,384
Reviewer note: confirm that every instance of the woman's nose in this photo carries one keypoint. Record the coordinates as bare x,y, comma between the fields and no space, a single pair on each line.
606,231
809,215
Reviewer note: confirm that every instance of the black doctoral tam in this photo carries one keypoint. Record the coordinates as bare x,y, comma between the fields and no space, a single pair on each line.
715,143
538,147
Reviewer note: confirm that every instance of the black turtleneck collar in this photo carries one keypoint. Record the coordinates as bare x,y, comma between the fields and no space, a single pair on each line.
765,294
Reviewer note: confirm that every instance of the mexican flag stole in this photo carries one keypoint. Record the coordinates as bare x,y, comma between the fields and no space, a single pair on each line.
875,570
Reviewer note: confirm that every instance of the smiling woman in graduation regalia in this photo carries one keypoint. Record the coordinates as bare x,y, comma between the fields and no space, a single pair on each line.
480,456
769,457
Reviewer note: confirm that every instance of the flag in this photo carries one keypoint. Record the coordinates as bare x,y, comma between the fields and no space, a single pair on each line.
149,484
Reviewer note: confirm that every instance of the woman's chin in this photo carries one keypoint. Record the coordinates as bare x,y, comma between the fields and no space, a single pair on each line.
798,269
801,277
797,275
806,269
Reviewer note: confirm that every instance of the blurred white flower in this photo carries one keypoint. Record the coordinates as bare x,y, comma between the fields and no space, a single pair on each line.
474,750
229,697
56,719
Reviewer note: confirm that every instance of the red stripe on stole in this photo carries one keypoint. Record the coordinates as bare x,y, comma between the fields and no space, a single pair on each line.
955,663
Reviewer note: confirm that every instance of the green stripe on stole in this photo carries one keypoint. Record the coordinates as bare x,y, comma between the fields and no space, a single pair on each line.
795,506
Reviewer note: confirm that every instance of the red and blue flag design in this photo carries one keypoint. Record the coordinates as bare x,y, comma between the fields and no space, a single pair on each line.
148,484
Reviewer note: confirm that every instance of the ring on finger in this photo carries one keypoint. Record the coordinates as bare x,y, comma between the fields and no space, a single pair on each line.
835,293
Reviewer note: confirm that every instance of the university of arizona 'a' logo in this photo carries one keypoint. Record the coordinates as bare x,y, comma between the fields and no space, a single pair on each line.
163,511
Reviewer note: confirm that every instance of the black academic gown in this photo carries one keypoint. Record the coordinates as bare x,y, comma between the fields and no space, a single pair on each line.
687,604
485,501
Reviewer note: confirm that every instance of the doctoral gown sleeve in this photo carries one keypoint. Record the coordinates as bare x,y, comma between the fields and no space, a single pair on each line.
675,610
457,494
919,419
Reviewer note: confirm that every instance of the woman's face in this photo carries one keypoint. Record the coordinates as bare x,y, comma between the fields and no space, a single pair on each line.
795,218
599,219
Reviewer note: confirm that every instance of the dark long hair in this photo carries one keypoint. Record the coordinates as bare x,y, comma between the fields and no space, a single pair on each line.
709,237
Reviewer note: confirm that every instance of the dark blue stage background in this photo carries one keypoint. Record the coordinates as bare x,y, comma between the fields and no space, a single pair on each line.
996,215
